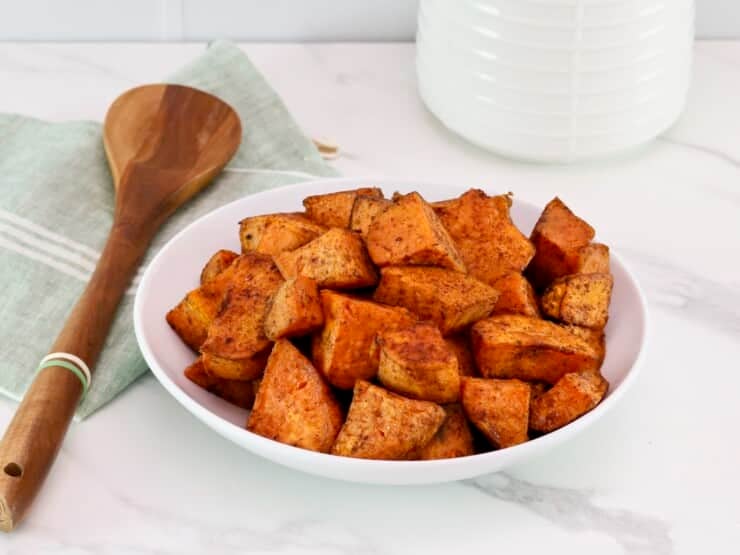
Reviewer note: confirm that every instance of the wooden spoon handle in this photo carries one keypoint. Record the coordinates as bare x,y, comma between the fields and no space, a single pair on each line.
33,438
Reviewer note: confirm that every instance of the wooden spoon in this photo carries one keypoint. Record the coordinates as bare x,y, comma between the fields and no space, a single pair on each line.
164,144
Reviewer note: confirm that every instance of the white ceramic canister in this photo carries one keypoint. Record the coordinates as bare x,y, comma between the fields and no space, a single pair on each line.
555,80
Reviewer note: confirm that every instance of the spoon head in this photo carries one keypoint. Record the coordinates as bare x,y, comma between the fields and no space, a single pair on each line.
166,142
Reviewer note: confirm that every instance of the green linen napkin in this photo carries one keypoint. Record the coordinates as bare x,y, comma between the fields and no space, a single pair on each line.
56,206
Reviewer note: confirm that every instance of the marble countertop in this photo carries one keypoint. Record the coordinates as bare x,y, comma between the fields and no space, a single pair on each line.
657,475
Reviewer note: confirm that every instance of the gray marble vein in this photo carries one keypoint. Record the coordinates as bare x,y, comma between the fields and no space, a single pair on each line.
713,152
575,511
688,294
305,535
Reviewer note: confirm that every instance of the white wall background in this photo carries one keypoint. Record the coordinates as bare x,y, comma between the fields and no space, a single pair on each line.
253,20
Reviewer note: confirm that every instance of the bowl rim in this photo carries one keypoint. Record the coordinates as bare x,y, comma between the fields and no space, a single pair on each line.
372,470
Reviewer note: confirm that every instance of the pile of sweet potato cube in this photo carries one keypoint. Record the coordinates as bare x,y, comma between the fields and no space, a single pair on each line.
383,328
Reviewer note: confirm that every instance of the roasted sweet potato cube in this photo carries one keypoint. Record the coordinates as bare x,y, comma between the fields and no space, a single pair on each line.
238,332
242,369
460,345
559,236
594,337
192,317
452,300
481,227
295,309
240,393
217,264
580,299
294,404
513,346
593,259
572,396
275,233
336,259
516,296
498,408
453,439
345,350
409,232
417,363
364,212
383,425
335,209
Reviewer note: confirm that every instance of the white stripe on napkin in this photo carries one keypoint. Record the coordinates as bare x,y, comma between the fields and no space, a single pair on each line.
48,234
291,173
44,259
42,245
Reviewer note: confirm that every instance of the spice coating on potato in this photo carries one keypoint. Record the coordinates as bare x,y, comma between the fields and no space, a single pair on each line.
409,232
192,317
335,209
364,212
295,309
516,296
238,332
217,264
450,299
595,338
512,346
239,393
580,299
294,405
417,363
558,237
345,350
481,227
383,425
337,259
572,396
498,408
235,369
593,259
274,233
453,439
461,346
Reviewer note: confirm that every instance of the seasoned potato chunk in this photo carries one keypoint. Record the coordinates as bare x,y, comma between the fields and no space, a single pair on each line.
383,425
335,209
240,393
460,345
558,237
409,232
498,408
580,299
217,264
242,369
453,439
593,337
516,296
416,362
294,405
192,317
336,259
295,309
275,233
364,212
345,350
450,299
572,396
489,242
592,259
238,332
512,346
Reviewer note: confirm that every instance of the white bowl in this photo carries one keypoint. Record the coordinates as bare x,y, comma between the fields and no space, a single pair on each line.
175,269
